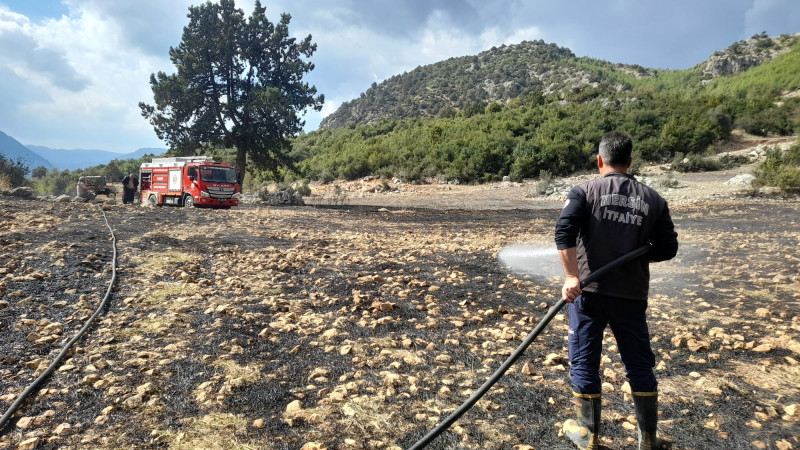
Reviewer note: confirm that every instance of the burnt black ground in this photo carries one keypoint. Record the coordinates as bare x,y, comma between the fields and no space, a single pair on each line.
735,240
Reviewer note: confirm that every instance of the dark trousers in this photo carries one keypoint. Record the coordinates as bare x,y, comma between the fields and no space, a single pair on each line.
128,195
588,317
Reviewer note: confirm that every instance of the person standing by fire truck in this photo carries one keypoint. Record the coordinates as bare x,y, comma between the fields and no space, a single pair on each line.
129,186
602,220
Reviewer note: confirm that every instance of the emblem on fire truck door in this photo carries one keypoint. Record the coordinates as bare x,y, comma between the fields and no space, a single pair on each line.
175,180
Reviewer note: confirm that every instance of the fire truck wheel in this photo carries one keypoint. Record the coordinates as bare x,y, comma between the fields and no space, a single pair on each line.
188,201
152,200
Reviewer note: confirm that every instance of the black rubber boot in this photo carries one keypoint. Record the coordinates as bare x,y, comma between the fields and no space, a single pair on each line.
646,408
585,432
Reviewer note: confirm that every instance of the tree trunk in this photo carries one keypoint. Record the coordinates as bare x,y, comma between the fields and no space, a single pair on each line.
241,163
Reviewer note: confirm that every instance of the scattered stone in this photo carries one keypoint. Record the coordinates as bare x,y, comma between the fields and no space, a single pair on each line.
134,401
62,429
294,407
313,446
764,348
553,359
743,179
25,422
145,389
28,444
444,359
754,424
89,380
696,345
527,369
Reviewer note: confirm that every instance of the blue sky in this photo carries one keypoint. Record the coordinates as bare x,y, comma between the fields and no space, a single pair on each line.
73,71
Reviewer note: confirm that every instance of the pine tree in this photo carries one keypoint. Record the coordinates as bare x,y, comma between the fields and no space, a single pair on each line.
239,83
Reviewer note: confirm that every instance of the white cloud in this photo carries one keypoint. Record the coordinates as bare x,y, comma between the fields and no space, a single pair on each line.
773,16
92,76
29,59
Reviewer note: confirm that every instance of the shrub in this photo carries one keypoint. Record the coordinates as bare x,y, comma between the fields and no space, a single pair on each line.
540,186
303,188
730,161
637,163
694,163
5,182
780,169
667,181
13,171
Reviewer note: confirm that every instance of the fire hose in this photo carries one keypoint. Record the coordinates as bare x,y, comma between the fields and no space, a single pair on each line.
551,313
68,346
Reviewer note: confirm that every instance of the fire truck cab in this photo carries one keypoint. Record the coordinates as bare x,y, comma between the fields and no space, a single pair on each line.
191,181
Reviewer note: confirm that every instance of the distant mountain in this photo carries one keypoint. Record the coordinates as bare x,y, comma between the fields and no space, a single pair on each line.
81,158
13,150
468,84
145,151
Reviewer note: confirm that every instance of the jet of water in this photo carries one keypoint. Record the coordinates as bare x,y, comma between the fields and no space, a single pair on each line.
529,259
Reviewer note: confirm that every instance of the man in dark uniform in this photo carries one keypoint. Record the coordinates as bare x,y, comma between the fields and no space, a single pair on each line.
604,219
129,186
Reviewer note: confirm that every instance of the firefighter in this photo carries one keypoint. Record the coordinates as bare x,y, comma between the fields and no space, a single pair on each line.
603,219
129,186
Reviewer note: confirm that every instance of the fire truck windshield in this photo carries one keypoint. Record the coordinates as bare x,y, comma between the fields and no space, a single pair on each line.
211,174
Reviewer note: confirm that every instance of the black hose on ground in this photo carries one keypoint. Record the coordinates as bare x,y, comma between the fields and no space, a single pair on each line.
445,424
57,361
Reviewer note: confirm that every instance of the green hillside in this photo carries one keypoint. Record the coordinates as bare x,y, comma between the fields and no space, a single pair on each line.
457,120
467,83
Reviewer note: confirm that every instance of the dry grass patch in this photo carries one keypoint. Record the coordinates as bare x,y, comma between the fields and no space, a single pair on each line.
371,416
233,371
214,431
161,263
166,290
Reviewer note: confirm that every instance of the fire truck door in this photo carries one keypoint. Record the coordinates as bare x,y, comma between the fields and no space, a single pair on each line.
175,180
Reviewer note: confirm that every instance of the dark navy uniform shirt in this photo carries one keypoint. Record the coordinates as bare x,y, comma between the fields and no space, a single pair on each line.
610,216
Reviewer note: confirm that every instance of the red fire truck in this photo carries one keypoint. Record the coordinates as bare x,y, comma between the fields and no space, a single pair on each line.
189,181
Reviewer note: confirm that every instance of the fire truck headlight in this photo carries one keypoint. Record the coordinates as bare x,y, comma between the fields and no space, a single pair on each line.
236,195
204,194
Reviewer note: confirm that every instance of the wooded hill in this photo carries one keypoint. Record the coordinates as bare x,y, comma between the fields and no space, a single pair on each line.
505,73
522,109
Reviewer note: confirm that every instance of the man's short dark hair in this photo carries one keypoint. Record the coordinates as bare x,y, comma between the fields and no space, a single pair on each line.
616,148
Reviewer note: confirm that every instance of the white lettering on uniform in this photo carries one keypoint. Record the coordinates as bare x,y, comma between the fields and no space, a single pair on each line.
626,217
